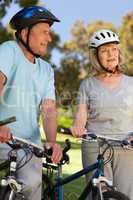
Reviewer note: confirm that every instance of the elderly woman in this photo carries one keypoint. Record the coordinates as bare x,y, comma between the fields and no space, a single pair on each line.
105,106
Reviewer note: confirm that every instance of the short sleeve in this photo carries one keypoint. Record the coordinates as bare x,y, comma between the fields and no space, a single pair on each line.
83,93
50,87
6,58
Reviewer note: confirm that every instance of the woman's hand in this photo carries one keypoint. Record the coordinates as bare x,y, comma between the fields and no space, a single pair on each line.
5,134
77,131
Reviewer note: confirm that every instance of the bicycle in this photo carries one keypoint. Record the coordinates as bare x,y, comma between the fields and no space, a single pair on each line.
99,185
10,187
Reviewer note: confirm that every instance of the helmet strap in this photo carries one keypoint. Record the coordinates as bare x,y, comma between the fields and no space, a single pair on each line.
26,45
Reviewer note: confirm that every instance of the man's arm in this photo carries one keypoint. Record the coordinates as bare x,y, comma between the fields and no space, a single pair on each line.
49,120
4,130
2,81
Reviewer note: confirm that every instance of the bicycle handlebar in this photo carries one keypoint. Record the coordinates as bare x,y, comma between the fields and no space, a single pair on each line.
124,142
17,143
8,121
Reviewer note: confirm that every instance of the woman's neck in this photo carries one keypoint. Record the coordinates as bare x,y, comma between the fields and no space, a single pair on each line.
110,80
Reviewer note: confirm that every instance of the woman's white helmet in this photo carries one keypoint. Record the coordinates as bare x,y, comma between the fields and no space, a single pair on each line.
103,36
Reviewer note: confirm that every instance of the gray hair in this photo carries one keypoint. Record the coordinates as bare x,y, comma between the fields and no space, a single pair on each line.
96,68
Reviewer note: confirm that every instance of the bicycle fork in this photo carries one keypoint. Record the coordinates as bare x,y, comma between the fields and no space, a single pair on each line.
10,180
102,183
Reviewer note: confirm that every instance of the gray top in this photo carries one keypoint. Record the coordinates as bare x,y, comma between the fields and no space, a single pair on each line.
110,109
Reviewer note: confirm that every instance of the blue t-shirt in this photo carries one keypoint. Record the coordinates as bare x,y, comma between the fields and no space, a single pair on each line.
27,85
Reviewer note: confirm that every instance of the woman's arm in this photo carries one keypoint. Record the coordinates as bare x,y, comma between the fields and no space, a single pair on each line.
78,128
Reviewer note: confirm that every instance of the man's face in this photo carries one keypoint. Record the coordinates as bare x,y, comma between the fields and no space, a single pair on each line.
39,38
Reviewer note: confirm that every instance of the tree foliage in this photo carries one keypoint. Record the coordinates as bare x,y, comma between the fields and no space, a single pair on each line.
126,33
25,3
4,4
4,34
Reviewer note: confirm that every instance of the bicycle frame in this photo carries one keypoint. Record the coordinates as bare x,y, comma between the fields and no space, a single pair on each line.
98,166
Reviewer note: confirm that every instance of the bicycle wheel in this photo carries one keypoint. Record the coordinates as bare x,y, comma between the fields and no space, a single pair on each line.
5,193
114,195
48,192
10,195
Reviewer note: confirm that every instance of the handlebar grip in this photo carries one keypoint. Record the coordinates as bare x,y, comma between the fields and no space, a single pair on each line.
49,151
48,154
67,146
91,135
65,157
7,121
64,130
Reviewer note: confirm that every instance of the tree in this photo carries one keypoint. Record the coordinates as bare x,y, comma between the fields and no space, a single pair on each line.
67,82
126,33
4,4
4,34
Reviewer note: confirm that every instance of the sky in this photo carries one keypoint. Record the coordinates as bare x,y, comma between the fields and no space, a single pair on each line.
86,10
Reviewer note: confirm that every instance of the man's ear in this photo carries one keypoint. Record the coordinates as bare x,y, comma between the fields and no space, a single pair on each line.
23,34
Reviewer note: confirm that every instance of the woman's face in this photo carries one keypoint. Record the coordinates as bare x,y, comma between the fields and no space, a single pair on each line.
108,55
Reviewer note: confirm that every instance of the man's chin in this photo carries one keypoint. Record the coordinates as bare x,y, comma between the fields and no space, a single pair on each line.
42,54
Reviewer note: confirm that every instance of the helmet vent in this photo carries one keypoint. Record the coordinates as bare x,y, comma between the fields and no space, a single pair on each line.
102,35
108,34
97,38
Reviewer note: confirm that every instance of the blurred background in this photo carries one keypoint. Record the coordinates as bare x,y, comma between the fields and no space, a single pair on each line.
68,52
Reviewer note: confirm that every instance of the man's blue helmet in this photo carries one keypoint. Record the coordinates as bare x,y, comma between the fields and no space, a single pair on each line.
32,15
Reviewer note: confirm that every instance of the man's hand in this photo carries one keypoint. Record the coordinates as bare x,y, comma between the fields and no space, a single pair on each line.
57,151
5,134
